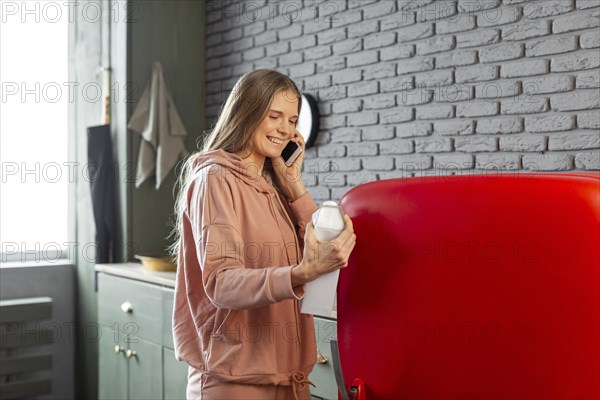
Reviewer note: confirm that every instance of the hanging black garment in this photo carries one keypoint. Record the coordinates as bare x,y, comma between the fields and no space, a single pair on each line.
102,183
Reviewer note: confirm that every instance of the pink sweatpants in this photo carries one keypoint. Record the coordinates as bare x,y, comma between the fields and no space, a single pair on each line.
202,387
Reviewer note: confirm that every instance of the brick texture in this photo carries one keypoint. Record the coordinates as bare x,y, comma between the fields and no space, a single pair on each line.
453,86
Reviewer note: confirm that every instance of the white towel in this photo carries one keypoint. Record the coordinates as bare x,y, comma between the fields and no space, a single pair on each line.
157,121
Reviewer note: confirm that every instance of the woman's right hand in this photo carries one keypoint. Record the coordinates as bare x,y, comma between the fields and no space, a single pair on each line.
323,257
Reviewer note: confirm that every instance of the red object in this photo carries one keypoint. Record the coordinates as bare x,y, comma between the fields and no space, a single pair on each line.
473,287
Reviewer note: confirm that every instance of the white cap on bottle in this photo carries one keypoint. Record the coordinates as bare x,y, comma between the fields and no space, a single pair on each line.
328,221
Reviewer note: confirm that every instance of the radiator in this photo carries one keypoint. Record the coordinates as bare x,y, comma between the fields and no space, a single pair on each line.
25,347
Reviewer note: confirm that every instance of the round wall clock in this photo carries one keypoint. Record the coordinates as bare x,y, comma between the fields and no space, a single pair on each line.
308,120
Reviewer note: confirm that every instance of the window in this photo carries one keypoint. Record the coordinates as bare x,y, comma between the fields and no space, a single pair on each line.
33,130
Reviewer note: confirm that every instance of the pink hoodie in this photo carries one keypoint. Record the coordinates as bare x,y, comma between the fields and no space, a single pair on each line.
236,315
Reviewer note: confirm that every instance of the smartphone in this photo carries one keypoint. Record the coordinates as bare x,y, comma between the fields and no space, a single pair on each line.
291,151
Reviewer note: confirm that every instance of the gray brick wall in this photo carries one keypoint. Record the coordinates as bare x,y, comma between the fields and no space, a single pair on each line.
416,88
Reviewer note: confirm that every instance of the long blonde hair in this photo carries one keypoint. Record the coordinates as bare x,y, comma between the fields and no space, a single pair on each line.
246,106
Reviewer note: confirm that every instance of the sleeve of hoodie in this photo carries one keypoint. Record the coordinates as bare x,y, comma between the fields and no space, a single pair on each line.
219,247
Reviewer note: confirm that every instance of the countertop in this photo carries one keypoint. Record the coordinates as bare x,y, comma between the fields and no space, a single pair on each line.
134,270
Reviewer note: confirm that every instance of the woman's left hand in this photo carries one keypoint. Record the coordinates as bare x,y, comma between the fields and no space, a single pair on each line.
290,178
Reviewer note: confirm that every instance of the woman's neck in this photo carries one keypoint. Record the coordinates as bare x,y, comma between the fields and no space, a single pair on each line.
256,162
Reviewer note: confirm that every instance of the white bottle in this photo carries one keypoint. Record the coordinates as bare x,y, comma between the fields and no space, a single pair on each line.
319,295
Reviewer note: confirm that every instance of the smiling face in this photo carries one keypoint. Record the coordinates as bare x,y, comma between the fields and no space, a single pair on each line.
278,126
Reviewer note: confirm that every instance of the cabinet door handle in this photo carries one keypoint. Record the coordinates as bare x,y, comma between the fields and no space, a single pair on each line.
127,307
119,349
321,359
130,353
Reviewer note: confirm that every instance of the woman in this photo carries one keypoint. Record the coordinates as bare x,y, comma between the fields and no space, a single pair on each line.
245,250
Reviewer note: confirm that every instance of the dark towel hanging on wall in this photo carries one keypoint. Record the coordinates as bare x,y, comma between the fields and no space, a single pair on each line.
102,184
101,172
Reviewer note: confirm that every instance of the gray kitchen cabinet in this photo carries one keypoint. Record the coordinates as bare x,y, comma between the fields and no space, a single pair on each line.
130,368
145,370
174,375
167,321
136,356
322,374
113,367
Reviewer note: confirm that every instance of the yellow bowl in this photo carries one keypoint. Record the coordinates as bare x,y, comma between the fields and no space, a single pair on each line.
157,263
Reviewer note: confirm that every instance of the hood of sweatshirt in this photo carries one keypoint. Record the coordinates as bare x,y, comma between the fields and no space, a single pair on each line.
248,173
238,167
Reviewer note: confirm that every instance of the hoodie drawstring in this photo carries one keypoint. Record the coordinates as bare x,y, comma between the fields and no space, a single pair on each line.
299,379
